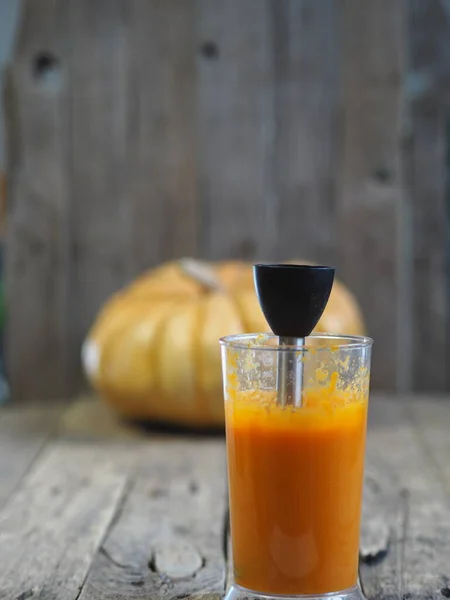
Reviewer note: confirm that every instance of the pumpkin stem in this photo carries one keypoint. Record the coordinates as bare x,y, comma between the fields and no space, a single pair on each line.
201,272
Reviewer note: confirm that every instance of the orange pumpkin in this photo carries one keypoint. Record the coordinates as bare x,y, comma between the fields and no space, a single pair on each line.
153,351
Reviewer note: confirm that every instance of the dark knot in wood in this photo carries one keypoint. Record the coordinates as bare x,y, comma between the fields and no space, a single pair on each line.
209,50
383,174
46,68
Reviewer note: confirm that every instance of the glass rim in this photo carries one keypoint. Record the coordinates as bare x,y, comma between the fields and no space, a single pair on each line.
242,341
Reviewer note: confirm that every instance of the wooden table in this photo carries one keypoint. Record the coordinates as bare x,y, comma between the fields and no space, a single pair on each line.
91,509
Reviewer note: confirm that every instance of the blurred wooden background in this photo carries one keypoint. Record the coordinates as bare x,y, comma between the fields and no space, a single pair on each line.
140,130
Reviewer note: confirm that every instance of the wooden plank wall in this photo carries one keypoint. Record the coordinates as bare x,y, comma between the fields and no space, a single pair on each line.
429,162
262,129
369,212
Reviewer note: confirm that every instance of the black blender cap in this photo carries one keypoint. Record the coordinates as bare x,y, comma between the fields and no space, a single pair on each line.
292,297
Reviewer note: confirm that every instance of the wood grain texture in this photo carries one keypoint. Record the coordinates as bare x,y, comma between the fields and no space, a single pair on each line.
412,501
168,540
55,521
307,56
257,129
101,160
371,183
23,433
431,238
2,203
235,120
429,26
100,221
114,520
90,418
431,422
36,267
162,186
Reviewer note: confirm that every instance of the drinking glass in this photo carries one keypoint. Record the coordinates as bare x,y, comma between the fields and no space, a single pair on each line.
295,473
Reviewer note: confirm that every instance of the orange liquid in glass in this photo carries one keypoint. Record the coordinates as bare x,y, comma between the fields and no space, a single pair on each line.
295,479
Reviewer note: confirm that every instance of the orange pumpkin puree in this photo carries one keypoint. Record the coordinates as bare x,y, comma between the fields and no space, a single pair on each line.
295,478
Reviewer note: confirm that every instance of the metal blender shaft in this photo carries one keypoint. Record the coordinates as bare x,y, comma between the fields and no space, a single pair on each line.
290,373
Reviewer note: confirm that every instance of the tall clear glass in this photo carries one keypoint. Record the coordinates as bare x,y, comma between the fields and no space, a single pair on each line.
295,473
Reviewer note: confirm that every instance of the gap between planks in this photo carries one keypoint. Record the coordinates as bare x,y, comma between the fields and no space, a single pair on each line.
23,433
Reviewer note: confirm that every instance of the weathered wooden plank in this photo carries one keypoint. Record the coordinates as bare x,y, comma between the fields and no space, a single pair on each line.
169,538
428,76
432,422
370,256
101,227
23,433
429,26
161,168
36,267
90,418
140,131
2,204
375,532
306,55
106,113
431,299
54,523
414,503
235,121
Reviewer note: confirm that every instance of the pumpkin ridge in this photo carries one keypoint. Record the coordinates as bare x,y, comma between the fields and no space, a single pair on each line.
240,311
177,365
154,354
200,400
127,404
115,324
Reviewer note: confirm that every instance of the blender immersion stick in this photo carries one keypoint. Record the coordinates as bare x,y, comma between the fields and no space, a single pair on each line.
292,299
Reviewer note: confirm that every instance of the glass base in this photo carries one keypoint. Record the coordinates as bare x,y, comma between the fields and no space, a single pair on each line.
236,592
